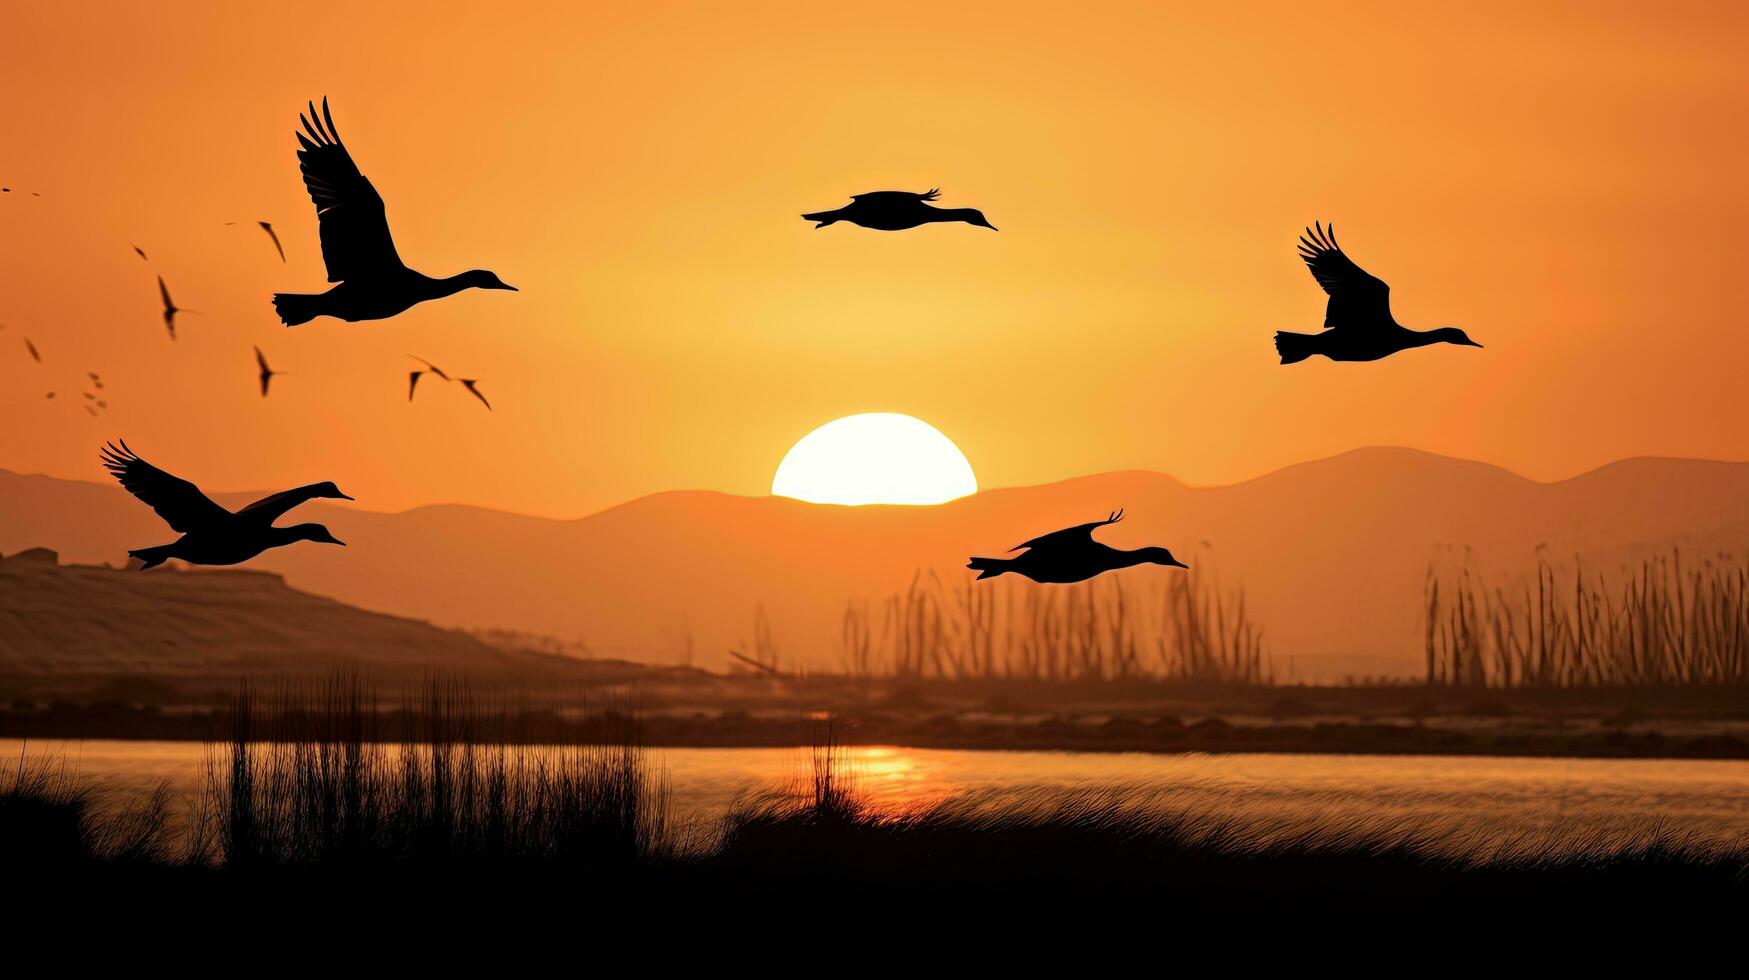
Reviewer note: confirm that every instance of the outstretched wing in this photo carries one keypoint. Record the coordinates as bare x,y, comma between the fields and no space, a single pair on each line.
1359,300
178,501
1079,534
355,230
434,369
273,506
875,197
277,247
469,384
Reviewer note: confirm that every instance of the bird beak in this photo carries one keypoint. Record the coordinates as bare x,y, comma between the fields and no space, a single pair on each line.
509,287
337,541
1175,563
344,497
1474,344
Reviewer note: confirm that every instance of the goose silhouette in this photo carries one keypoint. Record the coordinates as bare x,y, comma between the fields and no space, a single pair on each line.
374,284
1358,325
1071,555
212,535
897,211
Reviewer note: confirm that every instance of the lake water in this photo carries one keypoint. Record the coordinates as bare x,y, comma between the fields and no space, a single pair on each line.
1453,803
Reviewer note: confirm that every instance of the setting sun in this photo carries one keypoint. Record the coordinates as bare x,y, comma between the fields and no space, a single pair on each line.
877,458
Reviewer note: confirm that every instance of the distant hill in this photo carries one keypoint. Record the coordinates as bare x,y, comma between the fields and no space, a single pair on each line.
1332,553
61,623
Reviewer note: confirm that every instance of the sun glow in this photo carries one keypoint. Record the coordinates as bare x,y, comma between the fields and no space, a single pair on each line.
877,458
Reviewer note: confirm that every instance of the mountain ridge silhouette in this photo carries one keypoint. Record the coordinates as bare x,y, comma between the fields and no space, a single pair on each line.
1332,552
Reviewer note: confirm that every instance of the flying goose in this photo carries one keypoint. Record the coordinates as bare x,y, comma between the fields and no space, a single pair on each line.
1358,325
1071,555
356,245
897,211
212,535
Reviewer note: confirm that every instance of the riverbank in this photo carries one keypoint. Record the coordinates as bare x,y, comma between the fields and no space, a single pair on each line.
1618,735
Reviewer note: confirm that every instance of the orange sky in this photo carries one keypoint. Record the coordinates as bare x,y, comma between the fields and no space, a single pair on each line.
1566,184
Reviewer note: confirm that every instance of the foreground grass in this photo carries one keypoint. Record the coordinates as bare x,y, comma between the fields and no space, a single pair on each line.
304,807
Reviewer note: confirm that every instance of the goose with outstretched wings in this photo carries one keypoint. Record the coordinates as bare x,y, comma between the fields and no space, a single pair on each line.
357,248
212,535
1358,325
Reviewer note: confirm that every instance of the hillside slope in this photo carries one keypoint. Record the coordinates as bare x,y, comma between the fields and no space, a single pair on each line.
62,622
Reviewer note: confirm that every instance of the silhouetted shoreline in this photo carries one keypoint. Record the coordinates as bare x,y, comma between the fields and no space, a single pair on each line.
462,813
1137,732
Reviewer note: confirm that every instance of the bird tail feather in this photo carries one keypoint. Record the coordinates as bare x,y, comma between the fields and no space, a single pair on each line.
823,217
1293,347
988,567
151,557
296,308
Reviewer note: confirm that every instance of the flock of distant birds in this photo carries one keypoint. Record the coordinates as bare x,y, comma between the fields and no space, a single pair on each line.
372,283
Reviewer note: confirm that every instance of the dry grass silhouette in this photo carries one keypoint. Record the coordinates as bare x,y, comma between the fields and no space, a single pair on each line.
1186,629
301,801
1664,624
307,780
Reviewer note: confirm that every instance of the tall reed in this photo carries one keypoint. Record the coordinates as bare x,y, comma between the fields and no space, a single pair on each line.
1185,628
305,779
1662,624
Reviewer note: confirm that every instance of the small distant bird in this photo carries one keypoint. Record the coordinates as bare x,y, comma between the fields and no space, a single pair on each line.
212,535
413,376
266,373
1071,555
91,411
32,348
469,384
1358,325
170,308
356,245
142,253
50,395
88,396
96,379
434,369
102,404
897,211
277,247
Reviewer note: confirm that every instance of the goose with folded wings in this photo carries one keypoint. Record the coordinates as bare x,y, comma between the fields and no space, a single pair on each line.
1071,555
